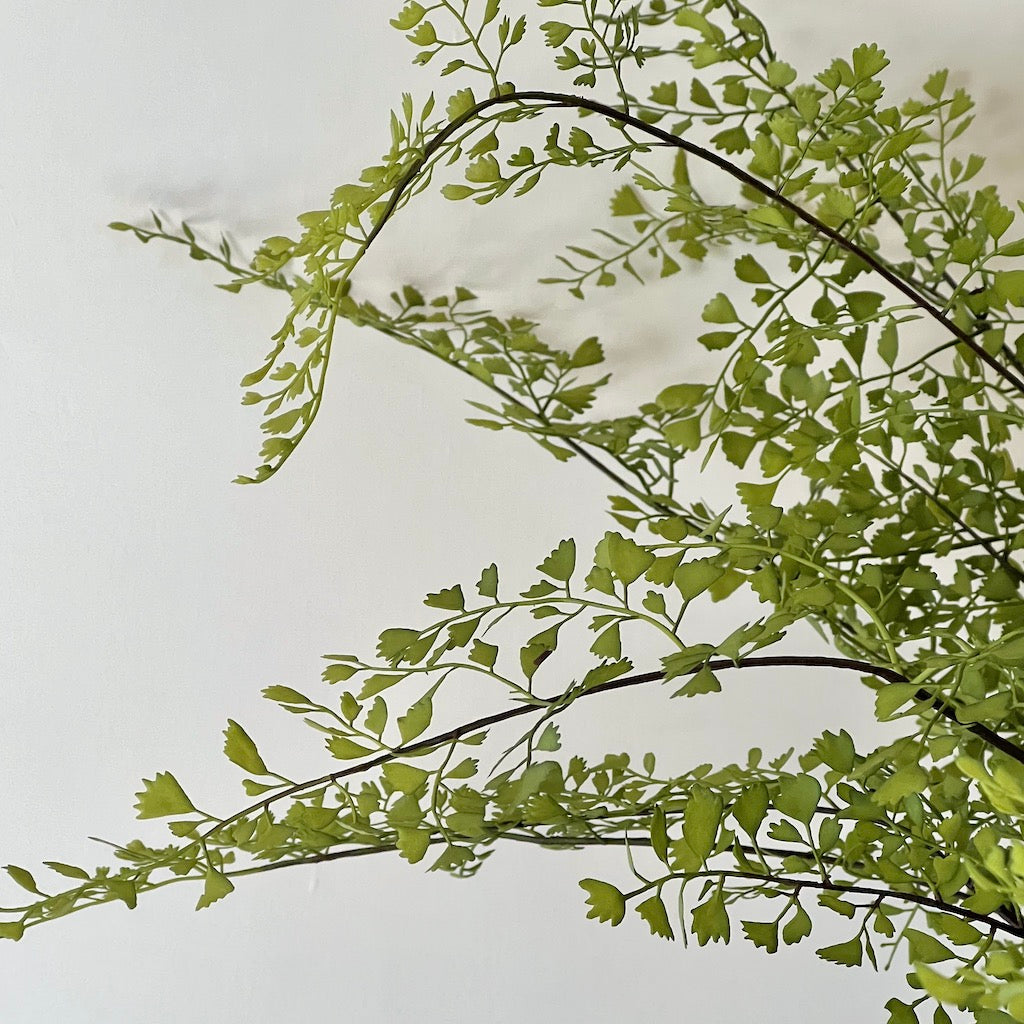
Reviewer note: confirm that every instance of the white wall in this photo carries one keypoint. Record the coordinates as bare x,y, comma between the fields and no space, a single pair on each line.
146,598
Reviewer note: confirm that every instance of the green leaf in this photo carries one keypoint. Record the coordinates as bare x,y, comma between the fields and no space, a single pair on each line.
797,927
750,808
946,990
409,16
666,93
67,870
412,843
720,311
626,559
600,579
339,673
1011,651
465,769
12,930
701,820
836,749
893,696
1009,286
577,398
424,34
605,901
703,681
23,878
548,740
837,207
188,829
684,434
543,588
661,571
868,60
626,203
956,929
377,717
451,599
659,834
653,911
483,654
532,656
910,778
986,1017
768,216
285,695
377,682
488,583
711,921
460,633
559,565
350,707
683,662
217,886
798,797
780,74
737,447
748,269
346,749
694,577
589,353
455,192
681,396
405,778
900,1012
863,305
241,750
1014,248
849,953
123,889
417,718
784,832
991,709
484,170
936,83
605,672
162,797
252,788
555,32
393,643
764,935
732,140
835,904
608,644
925,948
282,424
699,94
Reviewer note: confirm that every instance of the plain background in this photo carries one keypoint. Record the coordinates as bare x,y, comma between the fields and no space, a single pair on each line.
145,598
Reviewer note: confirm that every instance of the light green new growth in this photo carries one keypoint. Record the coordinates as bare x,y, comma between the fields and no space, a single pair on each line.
851,220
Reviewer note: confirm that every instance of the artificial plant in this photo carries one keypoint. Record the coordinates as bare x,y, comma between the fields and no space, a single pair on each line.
868,381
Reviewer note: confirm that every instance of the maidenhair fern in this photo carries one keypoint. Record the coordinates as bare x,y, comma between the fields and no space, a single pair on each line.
851,219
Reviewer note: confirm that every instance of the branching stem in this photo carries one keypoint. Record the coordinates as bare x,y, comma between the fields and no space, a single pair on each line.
556,99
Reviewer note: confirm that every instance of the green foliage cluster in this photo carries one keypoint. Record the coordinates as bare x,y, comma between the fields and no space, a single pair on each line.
855,231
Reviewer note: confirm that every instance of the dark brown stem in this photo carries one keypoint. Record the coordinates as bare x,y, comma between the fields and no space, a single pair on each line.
557,99
553,704
782,881
870,890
